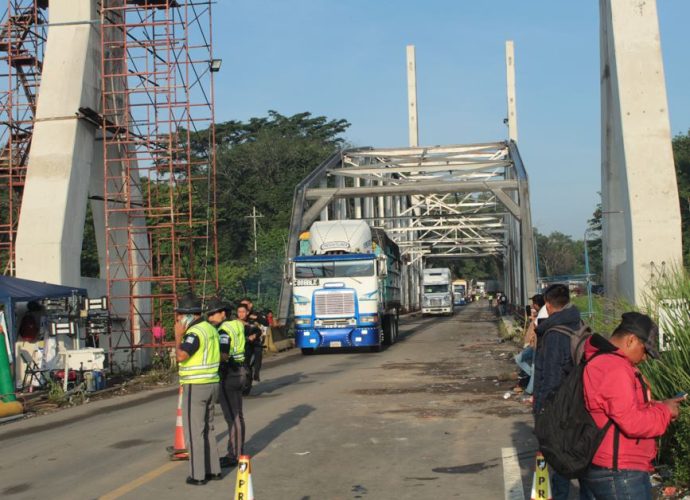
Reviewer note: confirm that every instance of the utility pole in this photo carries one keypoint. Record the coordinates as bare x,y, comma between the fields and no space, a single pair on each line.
254,216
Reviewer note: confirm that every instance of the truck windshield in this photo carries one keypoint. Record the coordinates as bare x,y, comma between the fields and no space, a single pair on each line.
435,288
459,289
338,269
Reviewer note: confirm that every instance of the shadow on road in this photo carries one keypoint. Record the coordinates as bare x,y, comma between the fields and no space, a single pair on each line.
279,425
273,385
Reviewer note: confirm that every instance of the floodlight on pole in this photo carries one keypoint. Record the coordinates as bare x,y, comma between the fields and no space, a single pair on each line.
215,65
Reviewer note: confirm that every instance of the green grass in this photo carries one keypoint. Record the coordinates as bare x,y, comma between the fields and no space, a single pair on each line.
605,314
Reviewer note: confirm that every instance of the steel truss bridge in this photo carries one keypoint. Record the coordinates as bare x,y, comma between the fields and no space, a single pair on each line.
449,202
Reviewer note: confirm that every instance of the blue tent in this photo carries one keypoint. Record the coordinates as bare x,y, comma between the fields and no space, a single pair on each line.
20,290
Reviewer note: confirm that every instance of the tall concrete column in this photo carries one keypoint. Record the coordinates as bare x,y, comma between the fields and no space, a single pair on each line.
412,113
66,166
51,225
641,215
510,79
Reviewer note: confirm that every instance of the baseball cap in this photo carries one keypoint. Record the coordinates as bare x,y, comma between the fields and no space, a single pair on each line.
643,328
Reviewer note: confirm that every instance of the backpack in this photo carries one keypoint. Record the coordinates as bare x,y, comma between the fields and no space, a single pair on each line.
577,339
567,434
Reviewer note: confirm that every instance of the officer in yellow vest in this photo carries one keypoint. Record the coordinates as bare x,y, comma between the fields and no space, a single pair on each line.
197,350
233,377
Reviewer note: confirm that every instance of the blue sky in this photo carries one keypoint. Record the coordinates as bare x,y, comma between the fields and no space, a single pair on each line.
346,59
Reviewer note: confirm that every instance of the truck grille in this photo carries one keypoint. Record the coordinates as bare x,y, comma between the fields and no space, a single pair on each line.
334,304
436,302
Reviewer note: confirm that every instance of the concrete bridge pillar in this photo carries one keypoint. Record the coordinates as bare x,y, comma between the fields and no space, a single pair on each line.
66,166
51,225
641,214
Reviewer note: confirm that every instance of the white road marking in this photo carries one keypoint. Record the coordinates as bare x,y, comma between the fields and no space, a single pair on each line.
512,477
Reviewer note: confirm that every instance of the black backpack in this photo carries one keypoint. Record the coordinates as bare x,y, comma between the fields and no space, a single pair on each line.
577,339
567,434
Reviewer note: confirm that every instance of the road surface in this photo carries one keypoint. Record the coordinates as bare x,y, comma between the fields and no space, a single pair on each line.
425,418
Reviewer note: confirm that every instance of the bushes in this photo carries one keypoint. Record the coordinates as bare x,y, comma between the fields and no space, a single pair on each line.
671,374
676,446
669,295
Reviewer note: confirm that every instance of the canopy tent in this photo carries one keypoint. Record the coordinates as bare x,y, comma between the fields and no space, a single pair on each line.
20,290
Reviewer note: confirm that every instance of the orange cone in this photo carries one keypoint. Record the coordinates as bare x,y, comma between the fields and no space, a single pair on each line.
178,451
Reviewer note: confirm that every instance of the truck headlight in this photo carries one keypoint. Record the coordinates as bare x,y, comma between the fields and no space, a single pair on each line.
369,319
303,321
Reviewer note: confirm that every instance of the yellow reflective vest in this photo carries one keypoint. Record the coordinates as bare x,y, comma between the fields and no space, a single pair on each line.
202,366
235,330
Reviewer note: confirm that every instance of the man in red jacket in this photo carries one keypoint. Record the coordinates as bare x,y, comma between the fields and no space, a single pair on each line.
616,390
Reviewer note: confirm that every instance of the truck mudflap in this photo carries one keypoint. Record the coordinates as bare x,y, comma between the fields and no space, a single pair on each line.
314,338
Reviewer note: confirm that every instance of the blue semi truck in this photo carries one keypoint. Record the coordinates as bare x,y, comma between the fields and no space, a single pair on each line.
346,287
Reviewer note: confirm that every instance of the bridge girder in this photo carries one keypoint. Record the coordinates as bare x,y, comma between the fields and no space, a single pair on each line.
459,201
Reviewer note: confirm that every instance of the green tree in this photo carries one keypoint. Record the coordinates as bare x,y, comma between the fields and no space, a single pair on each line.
482,268
559,254
681,155
594,244
259,163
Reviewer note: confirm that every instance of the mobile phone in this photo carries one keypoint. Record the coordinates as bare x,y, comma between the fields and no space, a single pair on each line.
680,395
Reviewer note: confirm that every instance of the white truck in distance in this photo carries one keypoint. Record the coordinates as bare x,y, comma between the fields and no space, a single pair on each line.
346,287
437,293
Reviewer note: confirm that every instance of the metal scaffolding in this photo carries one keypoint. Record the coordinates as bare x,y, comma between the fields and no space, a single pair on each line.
157,123
22,43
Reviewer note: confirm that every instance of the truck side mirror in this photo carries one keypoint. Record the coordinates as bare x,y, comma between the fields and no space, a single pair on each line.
382,265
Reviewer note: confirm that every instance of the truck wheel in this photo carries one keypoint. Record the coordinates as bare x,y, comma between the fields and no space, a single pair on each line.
388,330
308,352
396,324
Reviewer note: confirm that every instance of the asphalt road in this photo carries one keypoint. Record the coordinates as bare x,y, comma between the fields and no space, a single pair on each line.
425,418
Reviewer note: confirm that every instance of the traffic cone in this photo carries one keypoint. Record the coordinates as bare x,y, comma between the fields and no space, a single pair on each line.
178,451
243,486
541,485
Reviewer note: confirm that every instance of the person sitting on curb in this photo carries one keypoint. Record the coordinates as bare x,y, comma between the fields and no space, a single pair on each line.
615,390
525,358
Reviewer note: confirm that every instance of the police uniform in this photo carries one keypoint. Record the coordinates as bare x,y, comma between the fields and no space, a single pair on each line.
233,377
199,378
256,323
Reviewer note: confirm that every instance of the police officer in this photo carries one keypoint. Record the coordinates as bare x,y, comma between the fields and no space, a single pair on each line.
257,326
197,351
233,375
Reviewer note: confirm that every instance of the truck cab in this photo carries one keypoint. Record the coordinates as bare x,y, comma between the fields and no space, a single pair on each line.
346,291
437,292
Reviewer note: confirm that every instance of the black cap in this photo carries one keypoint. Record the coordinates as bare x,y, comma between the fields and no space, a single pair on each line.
216,304
188,304
643,328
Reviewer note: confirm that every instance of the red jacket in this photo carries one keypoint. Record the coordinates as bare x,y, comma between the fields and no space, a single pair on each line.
613,390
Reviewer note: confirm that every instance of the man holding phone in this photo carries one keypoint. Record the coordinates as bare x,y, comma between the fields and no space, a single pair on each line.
616,391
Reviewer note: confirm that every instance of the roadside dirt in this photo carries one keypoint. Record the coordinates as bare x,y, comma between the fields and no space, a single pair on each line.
476,375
